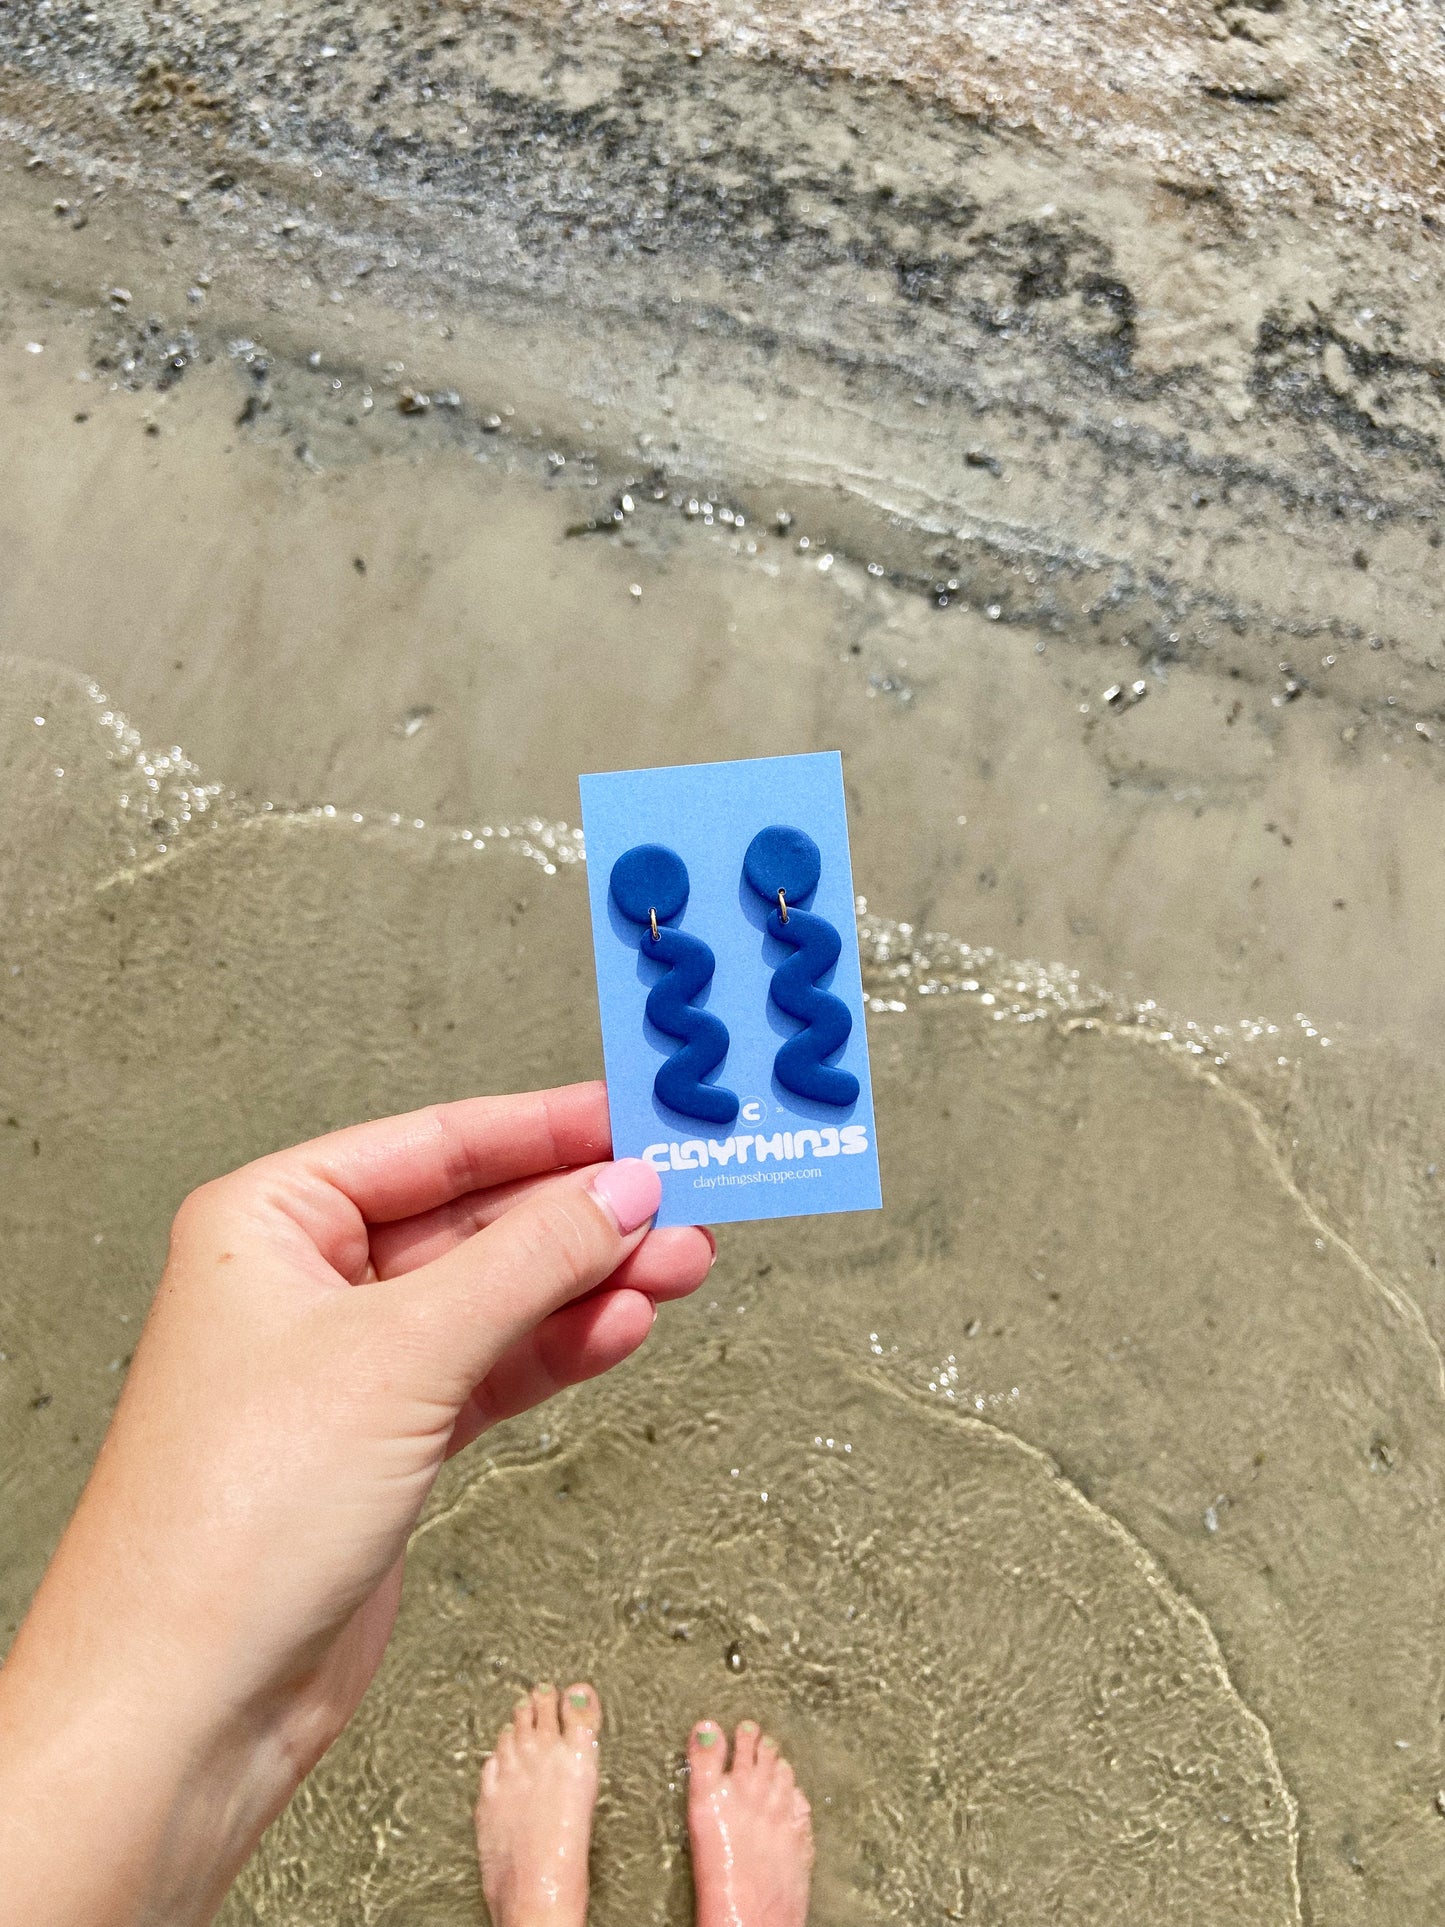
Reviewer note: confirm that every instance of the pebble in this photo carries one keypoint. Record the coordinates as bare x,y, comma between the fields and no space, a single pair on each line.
1124,696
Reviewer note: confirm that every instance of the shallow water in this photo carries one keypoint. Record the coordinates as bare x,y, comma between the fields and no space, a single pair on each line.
1075,1522
1012,1689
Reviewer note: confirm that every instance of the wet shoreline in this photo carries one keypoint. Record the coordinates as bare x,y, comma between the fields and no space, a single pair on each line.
384,473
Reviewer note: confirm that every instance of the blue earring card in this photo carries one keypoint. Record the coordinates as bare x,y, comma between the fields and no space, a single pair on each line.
701,843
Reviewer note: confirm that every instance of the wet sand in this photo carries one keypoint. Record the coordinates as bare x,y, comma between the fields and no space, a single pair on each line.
1005,1681
1096,1576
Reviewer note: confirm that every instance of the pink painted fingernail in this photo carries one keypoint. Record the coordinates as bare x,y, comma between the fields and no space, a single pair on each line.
631,1191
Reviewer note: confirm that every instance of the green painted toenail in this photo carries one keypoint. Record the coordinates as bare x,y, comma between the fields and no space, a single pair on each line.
706,1735
578,1699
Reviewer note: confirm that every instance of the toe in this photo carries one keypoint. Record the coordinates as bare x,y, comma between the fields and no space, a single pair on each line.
781,1789
524,1720
802,1812
491,1771
581,1710
505,1750
745,1747
705,1751
544,1709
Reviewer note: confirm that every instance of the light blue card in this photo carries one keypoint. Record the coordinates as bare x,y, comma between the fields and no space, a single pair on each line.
766,1107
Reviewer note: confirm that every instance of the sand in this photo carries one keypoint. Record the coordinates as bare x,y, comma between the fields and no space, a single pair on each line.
1096,1577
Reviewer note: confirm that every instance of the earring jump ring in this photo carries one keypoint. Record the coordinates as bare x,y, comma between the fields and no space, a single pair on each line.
652,919
782,905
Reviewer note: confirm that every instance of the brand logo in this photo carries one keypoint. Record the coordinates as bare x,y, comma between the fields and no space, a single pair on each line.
696,1154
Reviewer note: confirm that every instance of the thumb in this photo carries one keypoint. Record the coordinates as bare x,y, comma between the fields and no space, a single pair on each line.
470,1306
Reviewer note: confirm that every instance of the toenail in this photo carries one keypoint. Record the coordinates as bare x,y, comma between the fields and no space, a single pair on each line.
747,1726
765,1741
578,1699
706,1735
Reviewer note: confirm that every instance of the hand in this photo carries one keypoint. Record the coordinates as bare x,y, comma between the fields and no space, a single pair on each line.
333,1322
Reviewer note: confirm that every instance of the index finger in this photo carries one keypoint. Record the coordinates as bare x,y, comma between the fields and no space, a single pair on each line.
396,1167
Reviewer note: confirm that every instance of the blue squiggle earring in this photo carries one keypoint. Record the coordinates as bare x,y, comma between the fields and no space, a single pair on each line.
783,865
649,885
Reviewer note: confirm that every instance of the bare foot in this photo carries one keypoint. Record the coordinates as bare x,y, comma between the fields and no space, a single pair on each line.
752,1832
534,1812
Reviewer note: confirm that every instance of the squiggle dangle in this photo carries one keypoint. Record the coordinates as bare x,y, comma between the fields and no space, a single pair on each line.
783,865
649,885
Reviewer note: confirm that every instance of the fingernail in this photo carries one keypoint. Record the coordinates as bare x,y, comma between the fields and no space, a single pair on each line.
706,1735
630,1189
712,1241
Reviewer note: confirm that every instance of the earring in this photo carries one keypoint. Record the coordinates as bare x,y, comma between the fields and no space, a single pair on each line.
650,885
783,865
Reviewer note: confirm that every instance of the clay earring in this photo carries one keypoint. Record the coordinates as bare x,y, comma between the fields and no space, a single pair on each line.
783,865
649,886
